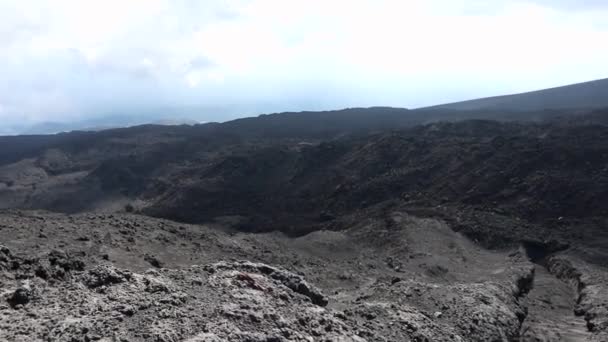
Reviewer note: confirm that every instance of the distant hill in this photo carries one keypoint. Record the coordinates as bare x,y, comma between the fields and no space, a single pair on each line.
59,127
588,95
103,123
175,122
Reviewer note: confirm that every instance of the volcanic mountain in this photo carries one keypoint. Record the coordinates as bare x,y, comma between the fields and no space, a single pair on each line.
483,221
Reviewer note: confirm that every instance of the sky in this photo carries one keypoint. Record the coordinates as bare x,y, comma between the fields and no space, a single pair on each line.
74,60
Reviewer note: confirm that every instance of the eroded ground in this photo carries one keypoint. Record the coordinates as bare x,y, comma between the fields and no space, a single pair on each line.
400,278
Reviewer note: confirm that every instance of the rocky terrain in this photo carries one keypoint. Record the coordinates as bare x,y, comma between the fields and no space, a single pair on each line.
132,278
273,229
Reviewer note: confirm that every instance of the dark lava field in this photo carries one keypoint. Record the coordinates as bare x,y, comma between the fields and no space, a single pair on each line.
375,224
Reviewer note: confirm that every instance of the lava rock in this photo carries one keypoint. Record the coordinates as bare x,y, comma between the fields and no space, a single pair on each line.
104,275
20,296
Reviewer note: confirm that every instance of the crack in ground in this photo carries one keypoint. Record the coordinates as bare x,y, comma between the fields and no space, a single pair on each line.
551,304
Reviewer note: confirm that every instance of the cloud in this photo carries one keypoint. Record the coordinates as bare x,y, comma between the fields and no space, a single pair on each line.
583,5
200,62
67,59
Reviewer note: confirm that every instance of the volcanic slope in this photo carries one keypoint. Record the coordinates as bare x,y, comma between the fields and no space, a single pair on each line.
432,231
586,95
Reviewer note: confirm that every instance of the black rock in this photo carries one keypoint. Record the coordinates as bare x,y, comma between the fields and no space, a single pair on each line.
21,296
153,261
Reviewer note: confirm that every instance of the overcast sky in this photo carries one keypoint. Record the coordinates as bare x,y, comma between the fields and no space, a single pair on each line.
76,59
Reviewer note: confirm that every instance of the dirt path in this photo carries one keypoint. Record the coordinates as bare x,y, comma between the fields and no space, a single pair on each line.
551,312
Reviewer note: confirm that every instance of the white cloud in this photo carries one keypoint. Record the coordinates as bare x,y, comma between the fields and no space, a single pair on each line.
72,58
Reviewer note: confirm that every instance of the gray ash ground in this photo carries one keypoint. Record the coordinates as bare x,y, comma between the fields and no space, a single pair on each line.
124,277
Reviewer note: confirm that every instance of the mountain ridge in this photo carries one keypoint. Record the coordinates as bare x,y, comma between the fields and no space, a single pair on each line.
584,95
